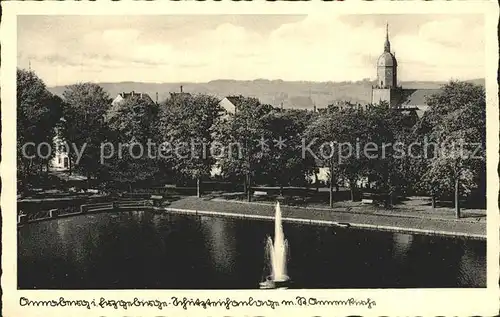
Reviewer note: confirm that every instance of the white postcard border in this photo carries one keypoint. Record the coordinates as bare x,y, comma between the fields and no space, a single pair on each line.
388,301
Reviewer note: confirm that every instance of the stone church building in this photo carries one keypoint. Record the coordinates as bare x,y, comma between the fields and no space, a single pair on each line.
387,88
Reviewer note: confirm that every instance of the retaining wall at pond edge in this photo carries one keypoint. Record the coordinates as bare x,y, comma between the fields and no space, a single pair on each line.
146,205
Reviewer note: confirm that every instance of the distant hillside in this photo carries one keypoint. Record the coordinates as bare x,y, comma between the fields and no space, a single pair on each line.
293,94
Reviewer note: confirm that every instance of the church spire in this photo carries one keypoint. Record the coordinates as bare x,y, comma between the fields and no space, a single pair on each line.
387,46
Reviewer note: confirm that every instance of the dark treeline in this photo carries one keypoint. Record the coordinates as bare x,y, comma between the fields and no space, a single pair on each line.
440,154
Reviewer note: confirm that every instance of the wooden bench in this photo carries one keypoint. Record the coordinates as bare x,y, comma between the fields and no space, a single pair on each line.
156,200
54,213
22,218
259,193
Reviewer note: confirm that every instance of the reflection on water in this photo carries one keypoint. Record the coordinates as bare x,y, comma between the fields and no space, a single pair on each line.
471,268
142,250
402,244
220,242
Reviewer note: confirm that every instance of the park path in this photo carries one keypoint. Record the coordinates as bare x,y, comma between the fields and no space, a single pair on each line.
467,227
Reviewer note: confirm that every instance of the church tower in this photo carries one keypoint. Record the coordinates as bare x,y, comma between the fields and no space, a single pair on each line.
386,88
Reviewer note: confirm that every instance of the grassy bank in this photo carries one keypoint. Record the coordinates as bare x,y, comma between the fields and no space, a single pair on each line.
465,228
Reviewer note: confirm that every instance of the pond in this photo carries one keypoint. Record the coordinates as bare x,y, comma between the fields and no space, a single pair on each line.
141,250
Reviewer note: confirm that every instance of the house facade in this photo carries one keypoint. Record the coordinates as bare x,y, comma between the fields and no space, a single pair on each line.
60,161
230,103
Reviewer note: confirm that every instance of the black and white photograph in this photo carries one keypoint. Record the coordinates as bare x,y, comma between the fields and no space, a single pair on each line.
256,152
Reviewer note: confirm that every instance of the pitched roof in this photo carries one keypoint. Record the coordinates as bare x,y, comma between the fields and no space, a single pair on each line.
416,100
417,97
235,100
126,95
115,104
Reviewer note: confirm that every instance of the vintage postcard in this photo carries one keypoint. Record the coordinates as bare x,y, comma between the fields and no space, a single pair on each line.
250,159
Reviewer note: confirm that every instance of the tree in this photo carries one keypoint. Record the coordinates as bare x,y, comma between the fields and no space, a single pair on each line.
38,112
285,131
321,130
133,130
352,134
244,129
86,105
456,123
187,123
333,138
389,130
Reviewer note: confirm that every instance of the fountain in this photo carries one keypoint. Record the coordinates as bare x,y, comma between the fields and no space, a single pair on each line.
277,253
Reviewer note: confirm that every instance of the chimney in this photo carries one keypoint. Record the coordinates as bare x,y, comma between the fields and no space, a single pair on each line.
181,89
314,108
156,97
132,93
282,105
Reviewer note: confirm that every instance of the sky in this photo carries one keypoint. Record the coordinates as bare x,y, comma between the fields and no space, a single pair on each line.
200,48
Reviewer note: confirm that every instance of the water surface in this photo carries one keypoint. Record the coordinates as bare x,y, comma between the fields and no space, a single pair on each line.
145,251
